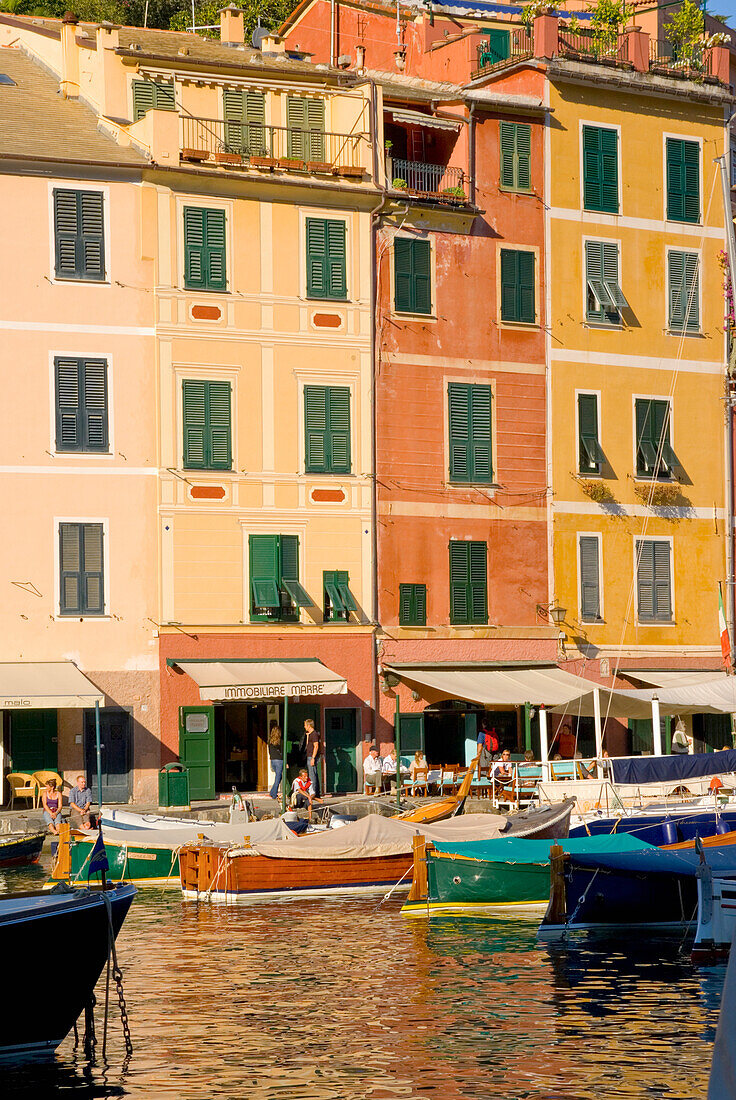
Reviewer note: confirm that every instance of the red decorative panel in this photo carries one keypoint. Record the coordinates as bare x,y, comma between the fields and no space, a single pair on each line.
330,495
327,320
206,313
207,492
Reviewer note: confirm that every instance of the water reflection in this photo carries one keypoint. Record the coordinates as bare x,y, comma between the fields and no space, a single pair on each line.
346,1000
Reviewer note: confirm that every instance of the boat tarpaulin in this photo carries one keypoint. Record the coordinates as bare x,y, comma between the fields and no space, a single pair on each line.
374,835
38,685
223,681
494,686
274,829
518,850
672,769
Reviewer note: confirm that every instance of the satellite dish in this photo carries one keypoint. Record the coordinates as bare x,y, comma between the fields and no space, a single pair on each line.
259,33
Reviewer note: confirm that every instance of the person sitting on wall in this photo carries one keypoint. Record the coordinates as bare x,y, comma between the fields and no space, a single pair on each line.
373,770
51,802
302,793
80,800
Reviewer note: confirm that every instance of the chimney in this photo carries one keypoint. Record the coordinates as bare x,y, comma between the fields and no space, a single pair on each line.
232,27
69,83
273,44
108,36
360,57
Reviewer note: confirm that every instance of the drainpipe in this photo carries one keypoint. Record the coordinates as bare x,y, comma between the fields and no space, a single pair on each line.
731,252
471,155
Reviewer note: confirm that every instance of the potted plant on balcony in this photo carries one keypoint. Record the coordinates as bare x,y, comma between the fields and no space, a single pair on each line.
454,193
685,32
399,185
608,21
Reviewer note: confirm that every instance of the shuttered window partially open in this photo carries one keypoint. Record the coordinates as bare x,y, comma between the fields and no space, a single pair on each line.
590,454
326,262
207,425
605,298
590,593
81,404
683,290
412,605
412,275
205,265
81,569
600,169
654,454
683,180
79,235
515,141
275,591
468,582
653,580
339,600
517,286
470,432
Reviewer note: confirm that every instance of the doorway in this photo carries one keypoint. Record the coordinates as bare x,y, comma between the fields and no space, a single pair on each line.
34,741
341,751
116,737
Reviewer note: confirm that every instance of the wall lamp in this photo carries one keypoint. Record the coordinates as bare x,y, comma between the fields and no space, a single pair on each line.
552,612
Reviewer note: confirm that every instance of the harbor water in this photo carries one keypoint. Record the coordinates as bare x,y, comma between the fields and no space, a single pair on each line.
348,999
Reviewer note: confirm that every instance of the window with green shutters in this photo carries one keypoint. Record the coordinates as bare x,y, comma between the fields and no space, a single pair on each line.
517,286
590,592
79,235
326,264
654,454
81,404
600,169
470,431
515,140
412,275
683,180
152,95
412,605
305,128
590,454
275,592
653,580
204,249
683,291
604,297
327,429
81,569
468,582
339,600
245,121
207,425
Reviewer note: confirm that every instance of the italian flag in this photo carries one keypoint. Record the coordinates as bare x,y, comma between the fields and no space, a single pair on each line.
723,628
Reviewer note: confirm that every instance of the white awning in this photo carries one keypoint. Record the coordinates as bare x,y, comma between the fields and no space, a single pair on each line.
494,686
224,681
672,679
40,685
416,118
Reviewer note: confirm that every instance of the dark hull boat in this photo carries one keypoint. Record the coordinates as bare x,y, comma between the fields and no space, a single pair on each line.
671,826
78,921
21,849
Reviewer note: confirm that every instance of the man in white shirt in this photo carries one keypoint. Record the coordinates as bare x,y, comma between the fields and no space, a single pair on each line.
373,769
389,762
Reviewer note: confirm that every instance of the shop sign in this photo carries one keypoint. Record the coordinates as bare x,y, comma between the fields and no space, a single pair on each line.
277,691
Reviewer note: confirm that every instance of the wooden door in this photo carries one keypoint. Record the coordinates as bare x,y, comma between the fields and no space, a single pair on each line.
116,726
197,750
341,750
34,741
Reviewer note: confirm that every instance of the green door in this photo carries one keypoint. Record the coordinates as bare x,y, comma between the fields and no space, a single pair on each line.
197,750
34,741
642,740
410,734
341,750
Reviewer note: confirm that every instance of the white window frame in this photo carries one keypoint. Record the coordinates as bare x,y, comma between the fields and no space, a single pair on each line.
651,397
105,521
670,225
576,421
84,455
205,202
421,235
614,325
205,373
77,185
601,612
331,216
667,327
598,125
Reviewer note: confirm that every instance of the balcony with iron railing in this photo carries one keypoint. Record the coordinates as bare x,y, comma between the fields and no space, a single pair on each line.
492,57
236,144
438,182
696,62
585,46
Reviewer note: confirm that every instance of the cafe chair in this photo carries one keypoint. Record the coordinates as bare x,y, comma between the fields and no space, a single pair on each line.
22,785
42,779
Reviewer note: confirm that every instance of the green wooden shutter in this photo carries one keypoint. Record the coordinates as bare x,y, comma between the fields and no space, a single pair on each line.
219,441
152,95
468,582
296,126
654,583
327,429
315,429
70,569
81,404
458,401
315,115
264,565
412,275
92,566
326,262
589,579
81,569
204,249
683,283
662,581
683,180
79,233
469,408
338,599
412,605
652,437
478,578
93,386
588,444
515,144
645,578
422,261
195,425
403,273
245,121
600,169
499,45
601,278
480,432
517,286
338,398
298,597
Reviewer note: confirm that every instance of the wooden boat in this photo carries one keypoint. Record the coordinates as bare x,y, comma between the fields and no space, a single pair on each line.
662,825
445,807
21,849
79,920
150,857
366,856
491,877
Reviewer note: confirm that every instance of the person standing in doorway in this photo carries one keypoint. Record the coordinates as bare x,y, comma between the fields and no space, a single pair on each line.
314,750
276,756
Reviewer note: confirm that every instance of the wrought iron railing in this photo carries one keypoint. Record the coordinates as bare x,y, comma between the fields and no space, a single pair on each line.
235,142
584,45
435,180
521,46
695,61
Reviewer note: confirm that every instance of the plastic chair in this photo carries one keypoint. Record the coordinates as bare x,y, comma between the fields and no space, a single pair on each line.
22,785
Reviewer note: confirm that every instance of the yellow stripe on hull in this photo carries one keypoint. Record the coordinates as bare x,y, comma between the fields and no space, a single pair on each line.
419,909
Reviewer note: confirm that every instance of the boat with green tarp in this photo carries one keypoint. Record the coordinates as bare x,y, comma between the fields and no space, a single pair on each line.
490,876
